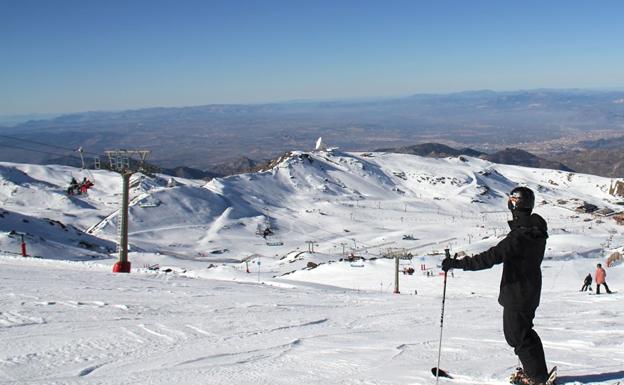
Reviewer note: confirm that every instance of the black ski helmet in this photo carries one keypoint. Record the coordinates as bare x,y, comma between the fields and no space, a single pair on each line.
522,199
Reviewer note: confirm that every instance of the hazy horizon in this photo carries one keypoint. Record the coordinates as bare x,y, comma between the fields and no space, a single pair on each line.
14,119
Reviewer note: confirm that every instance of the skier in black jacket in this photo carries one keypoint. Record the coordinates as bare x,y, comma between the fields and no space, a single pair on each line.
587,283
521,253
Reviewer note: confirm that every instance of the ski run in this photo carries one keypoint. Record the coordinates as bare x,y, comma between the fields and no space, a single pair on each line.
248,279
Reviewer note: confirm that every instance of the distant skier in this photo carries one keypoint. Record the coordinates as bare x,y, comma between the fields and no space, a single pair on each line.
587,283
601,275
85,185
521,253
73,186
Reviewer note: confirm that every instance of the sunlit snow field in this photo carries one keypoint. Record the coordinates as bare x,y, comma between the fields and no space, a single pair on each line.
65,318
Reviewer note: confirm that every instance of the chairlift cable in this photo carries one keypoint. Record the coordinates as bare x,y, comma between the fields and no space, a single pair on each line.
91,177
33,150
80,149
42,144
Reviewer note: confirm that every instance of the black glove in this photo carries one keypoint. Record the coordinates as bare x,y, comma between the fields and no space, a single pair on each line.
449,263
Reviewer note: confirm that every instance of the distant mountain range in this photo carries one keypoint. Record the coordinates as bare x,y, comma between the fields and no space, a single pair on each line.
208,137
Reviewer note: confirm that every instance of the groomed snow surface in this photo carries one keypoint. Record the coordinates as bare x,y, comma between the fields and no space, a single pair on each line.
65,318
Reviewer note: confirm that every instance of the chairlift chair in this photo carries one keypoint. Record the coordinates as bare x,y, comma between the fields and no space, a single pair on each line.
90,178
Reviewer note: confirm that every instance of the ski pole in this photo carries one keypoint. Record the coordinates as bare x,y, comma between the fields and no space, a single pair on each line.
448,255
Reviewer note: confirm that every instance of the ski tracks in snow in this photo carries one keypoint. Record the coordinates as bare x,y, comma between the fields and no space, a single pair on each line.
139,339
11,319
130,329
128,346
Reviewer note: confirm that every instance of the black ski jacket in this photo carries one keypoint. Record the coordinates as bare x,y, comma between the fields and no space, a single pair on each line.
521,253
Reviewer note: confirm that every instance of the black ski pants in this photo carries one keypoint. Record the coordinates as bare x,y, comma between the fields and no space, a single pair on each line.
519,333
605,285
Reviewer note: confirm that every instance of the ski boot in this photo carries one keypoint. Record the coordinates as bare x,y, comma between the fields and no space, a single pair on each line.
520,378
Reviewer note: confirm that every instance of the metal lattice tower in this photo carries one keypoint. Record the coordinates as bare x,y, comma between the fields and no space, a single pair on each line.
121,160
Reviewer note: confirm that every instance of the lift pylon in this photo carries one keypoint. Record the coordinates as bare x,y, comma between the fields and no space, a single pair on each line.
122,161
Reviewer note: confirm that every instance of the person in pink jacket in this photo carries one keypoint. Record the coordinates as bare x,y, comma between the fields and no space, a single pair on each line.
601,275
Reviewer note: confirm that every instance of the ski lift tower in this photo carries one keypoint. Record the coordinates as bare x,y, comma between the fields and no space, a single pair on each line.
123,162
396,254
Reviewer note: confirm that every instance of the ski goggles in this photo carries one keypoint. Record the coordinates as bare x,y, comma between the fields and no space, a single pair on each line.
512,202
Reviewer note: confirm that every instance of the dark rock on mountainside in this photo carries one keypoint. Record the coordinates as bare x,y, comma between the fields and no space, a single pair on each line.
236,166
432,150
512,156
515,156
190,173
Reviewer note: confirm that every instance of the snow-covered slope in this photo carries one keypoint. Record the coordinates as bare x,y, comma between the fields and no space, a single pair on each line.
361,203
260,279
70,323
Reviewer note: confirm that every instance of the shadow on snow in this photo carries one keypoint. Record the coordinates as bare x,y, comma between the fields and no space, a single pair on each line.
589,378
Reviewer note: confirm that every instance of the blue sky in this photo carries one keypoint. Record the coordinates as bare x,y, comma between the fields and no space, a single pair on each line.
66,56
